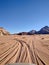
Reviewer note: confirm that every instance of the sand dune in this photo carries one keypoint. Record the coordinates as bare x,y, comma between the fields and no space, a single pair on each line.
24,49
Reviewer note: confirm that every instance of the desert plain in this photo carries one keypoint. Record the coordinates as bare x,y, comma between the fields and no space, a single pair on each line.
32,49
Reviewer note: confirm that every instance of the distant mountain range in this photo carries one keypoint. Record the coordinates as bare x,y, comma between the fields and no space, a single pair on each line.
44,30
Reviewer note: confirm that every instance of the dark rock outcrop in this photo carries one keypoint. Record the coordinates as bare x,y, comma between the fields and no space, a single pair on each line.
44,30
32,32
22,33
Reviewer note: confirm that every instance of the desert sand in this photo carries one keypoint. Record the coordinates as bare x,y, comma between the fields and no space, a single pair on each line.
32,49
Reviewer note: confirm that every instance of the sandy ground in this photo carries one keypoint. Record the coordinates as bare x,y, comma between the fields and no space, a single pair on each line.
24,49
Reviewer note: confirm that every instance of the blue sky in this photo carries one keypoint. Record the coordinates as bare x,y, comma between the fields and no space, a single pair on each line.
24,15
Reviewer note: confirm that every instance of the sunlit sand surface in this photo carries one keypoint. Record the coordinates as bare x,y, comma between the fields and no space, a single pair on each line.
32,49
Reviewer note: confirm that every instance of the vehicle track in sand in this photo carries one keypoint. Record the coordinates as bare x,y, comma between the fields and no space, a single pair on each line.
20,51
41,51
24,50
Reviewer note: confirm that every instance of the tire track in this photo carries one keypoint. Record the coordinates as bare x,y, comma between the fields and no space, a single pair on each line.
5,58
37,58
8,51
8,47
30,56
38,53
23,51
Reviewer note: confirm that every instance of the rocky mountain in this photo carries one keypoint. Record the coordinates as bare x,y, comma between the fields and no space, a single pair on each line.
44,30
32,32
3,31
